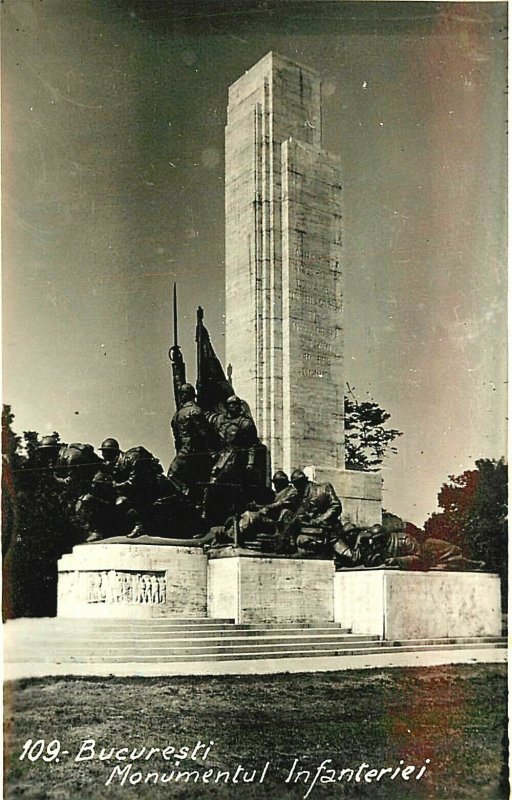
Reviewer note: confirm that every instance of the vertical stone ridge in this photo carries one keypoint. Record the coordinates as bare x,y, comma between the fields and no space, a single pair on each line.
283,292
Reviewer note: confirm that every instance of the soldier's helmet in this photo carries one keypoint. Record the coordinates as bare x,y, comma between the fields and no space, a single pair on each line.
280,479
110,444
186,392
297,475
349,527
49,443
233,403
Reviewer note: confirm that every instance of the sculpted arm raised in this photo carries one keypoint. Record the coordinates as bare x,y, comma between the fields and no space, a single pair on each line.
178,370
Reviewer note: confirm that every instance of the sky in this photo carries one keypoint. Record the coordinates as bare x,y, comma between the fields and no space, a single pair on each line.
113,188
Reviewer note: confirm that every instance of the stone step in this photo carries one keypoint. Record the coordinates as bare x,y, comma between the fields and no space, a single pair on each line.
183,645
161,630
156,646
14,637
238,655
153,654
48,641
112,622
55,625
147,640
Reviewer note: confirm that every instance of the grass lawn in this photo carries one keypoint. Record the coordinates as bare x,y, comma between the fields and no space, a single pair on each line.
453,715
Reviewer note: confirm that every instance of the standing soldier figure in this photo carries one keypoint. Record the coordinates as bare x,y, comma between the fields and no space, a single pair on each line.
237,475
193,436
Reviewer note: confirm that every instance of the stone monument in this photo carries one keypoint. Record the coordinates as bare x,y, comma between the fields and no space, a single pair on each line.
284,339
284,277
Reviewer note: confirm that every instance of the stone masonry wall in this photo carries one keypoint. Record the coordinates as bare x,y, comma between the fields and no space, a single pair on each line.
312,304
275,101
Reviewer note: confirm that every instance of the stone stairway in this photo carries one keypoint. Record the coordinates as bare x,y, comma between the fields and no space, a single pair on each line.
107,641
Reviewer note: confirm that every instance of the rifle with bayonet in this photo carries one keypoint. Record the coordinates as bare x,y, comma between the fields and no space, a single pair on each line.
175,355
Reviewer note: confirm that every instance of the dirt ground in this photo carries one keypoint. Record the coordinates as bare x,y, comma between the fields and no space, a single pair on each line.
357,720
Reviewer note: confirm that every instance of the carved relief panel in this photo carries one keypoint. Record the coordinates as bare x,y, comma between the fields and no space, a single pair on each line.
116,586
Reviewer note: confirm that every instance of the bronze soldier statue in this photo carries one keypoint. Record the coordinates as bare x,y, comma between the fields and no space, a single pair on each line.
74,466
48,451
262,526
145,501
285,497
440,554
237,475
315,525
194,440
376,547
193,436
137,480
96,509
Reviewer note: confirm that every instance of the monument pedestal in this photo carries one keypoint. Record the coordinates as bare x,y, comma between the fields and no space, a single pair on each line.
132,581
418,605
360,493
259,589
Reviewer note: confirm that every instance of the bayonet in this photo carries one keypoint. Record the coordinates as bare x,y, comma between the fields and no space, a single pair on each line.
175,309
178,365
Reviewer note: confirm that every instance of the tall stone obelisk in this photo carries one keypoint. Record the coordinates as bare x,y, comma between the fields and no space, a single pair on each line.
284,272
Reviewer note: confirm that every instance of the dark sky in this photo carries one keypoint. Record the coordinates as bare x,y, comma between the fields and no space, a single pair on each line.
113,187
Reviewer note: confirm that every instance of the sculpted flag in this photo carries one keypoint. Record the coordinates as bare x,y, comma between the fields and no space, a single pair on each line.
212,385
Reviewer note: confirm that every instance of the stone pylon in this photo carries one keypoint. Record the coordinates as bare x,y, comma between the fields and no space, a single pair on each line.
284,269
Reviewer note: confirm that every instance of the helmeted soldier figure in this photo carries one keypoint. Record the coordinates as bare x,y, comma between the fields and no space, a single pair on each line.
265,524
372,547
238,473
388,547
280,481
440,554
96,508
401,549
194,443
110,451
64,456
347,551
74,465
377,547
238,436
315,525
137,480
49,448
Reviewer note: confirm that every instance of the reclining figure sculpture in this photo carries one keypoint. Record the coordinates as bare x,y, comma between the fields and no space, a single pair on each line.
376,547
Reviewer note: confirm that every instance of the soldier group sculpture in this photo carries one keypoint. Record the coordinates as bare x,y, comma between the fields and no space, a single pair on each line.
217,487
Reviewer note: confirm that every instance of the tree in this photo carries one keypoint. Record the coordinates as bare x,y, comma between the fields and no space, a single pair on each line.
367,440
11,462
474,514
37,527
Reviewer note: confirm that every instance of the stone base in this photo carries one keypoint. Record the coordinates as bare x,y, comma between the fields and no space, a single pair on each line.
359,492
271,590
418,605
132,581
